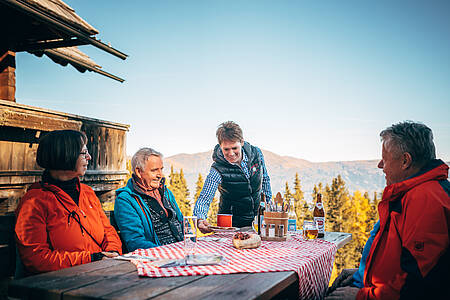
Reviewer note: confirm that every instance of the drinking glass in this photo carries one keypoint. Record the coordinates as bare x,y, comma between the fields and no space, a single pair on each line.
310,230
190,234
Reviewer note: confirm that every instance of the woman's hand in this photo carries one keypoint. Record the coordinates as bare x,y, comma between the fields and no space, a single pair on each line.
109,255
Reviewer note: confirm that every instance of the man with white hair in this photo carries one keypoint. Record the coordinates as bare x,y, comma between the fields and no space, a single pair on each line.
409,256
145,210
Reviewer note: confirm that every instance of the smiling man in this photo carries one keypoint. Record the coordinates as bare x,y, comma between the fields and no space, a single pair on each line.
409,255
145,209
240,174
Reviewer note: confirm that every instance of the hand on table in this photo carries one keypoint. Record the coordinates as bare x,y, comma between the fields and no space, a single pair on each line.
343,293
109,254
344,279
203,226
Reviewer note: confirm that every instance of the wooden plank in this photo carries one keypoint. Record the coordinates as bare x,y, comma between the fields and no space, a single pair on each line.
50,285
35,121
202,287
129,286
5,155
258,286
236,286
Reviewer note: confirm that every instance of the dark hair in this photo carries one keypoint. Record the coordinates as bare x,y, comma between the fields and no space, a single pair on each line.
229,131
411,137
60,149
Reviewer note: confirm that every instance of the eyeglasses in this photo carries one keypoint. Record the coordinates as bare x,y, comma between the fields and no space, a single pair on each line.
85,154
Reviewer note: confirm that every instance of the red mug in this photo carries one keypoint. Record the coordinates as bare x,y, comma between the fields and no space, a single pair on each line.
224,220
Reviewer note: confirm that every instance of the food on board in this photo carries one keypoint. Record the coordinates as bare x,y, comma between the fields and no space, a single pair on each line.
245,240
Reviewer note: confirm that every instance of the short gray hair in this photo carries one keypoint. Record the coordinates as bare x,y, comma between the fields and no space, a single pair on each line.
414,138
140,158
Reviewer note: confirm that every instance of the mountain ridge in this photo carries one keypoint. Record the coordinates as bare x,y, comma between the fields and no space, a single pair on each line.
362,175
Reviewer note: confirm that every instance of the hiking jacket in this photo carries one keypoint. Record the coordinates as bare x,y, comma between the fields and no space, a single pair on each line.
48,236
409,256
136,228
239,195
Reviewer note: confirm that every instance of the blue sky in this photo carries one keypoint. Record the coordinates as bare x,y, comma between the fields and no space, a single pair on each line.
316,80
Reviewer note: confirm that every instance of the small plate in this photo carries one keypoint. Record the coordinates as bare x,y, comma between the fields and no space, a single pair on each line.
223,229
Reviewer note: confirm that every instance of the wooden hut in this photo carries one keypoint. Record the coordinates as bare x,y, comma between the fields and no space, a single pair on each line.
51,28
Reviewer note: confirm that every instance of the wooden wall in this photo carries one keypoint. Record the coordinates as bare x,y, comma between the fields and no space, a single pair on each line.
21,127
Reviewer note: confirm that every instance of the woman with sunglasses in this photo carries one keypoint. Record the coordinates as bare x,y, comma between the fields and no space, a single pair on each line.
59,221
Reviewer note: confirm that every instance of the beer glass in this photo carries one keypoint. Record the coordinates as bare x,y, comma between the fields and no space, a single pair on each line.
190,234
310,230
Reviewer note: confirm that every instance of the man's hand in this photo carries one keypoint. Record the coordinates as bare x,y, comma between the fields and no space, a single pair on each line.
343,293
203,226
109,254
344,279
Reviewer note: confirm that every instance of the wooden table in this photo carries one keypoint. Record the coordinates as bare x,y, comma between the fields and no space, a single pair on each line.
113,279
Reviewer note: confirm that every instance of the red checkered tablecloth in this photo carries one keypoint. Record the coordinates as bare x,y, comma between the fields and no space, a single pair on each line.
312,260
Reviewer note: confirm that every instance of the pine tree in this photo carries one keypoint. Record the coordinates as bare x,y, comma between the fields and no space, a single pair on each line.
178,186
299,200
198,186
212,213
287,193
338,216
373,212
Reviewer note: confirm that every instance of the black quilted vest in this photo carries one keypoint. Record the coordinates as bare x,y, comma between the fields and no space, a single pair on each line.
239,196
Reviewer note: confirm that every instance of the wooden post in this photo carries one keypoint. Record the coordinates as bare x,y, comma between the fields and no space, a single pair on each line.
7,75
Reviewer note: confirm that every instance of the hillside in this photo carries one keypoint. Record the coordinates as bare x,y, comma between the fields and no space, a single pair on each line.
360,175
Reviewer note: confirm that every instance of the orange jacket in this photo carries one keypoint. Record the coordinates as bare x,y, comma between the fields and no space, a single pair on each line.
48,239
409,255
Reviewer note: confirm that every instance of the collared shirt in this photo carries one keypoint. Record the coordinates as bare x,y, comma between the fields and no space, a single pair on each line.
213,180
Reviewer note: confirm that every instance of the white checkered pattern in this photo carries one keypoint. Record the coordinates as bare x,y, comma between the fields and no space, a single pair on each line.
312,260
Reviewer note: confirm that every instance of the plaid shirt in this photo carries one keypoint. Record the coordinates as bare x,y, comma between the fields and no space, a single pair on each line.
213,180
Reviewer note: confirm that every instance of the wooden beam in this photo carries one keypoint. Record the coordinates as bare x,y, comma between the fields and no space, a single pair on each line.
7,75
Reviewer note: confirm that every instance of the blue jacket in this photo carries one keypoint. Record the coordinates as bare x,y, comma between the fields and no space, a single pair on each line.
135,229
359,275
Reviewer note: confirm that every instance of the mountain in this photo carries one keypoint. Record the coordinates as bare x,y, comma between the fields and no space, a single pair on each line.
362,175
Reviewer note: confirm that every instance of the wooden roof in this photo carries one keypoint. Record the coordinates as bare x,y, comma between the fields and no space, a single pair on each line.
63,11
50,27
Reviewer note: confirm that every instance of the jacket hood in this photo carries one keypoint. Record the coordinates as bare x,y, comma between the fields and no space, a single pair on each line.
436,169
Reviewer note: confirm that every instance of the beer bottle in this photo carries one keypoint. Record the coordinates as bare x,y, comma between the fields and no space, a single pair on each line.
319,216
261,209
292,217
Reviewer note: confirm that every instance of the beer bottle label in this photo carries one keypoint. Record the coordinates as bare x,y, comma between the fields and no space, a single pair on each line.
319,205
320,221
292,225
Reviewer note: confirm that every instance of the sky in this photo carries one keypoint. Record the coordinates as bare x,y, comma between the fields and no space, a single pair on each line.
316,80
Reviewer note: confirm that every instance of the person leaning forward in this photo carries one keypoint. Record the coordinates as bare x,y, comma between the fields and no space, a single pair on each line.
145,210
409,256
240,175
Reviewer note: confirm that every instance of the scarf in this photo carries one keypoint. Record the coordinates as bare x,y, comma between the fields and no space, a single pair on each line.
140,187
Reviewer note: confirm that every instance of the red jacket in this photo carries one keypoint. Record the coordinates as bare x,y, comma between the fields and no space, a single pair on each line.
409,256
48,239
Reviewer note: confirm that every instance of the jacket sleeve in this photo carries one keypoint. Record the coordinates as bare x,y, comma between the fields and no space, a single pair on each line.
32,241
424,238
131,224
111,240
